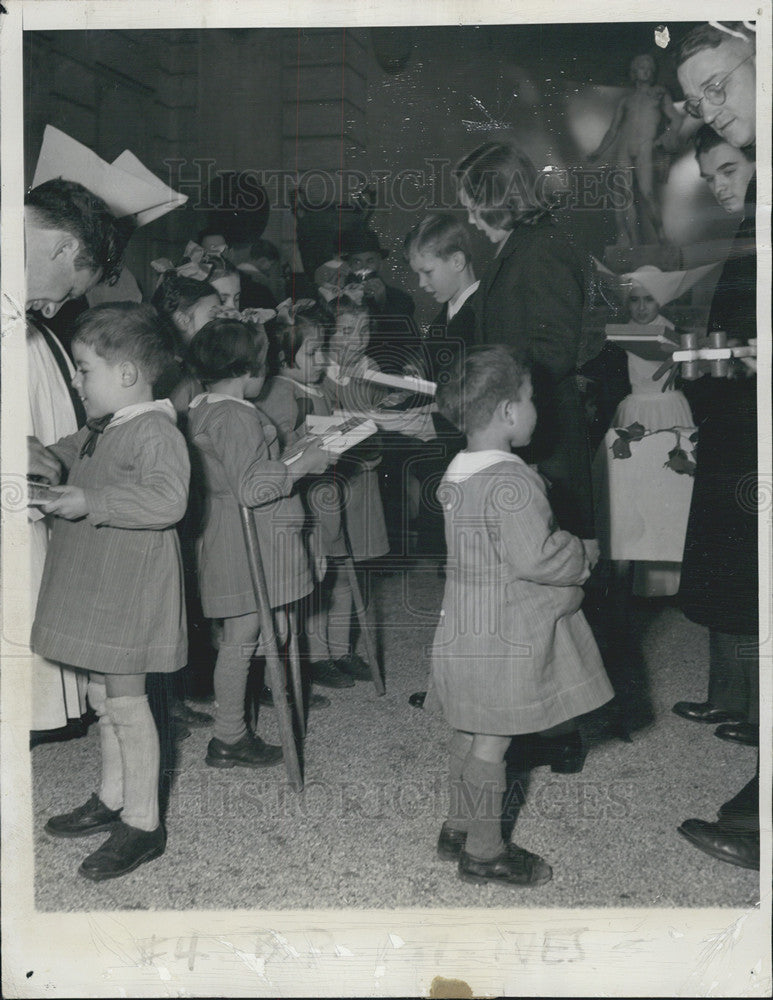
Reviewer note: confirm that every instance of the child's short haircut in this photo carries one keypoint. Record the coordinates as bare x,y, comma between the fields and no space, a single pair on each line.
127,331
441,234
478,382
227,348
177,292
286,338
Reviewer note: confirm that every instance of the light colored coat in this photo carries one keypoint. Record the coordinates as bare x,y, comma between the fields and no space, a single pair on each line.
111,598
512,653
239,460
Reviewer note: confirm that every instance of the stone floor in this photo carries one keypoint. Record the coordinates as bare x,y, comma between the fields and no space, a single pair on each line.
363,832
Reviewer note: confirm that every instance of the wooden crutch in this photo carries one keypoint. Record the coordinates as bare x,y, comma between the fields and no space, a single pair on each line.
359,607
295,668
268,643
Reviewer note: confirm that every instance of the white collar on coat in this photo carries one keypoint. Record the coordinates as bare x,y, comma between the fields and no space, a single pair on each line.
467,463
217,397
135,409
454,309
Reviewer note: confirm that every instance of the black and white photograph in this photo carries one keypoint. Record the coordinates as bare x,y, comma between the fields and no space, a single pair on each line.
386,499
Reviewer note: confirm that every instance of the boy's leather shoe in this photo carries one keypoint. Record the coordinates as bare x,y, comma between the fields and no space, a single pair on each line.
354,666
125,849
450,843
327,674
417,699
514,866
250,751
190,716
564,754
92,817
703,711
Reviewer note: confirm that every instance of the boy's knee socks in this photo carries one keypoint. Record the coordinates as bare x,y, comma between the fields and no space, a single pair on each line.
230,682
111,785
138,739
483,785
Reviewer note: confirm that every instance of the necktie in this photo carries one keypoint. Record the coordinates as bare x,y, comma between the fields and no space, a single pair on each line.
95,427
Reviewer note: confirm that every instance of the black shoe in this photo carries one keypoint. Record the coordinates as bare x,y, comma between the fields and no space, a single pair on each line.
739,732
702,711
514,866
190,717
354,666
327,674
250,751
93,817
126,849
450,843
75,729
563,754
741,849
417,699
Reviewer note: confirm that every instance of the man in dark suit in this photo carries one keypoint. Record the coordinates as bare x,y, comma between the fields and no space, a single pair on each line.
716,69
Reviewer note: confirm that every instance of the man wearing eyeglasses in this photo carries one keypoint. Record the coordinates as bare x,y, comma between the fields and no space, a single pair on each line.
720,588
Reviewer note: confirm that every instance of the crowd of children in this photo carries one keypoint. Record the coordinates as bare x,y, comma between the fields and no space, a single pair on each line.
195,382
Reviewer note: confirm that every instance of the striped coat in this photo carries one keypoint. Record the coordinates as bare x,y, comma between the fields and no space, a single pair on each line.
111,598
512,653
238,458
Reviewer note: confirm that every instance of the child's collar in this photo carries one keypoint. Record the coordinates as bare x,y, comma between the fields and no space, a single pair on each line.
467,463
217,397
135,409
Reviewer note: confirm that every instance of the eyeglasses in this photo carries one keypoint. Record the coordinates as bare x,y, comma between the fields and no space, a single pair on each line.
714,93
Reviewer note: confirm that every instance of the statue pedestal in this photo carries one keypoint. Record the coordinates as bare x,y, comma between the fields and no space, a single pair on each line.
624,259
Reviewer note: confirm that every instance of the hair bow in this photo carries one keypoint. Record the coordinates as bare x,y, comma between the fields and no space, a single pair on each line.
287,310
256,316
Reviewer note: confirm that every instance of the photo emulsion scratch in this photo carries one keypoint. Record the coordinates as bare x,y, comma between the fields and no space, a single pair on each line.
386,523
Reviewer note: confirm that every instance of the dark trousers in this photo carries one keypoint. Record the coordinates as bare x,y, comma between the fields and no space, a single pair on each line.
734,674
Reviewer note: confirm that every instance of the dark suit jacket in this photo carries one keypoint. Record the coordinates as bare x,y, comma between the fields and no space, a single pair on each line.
531,298
720,584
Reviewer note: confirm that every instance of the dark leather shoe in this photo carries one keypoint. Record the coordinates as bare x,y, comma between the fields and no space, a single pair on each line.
563,754
250,751
74,730
125,849
741,849
450,843
702,711
417,699
327,674
93,817
190,717
514,866
354,666
739,732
